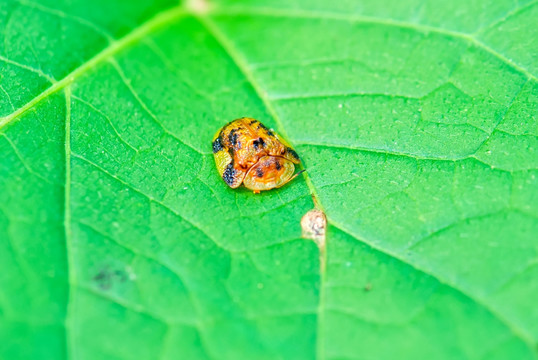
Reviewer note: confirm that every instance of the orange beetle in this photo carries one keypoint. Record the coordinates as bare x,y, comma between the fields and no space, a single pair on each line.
246,152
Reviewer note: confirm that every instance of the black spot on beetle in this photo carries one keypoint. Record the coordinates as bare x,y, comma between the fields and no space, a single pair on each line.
229,174
267,131
253,122
259,172
232,137
217,145
293,153
277,165
258,143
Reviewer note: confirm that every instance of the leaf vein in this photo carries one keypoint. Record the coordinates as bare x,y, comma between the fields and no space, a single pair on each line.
29,68
62,14
518,332
149,197
309,14
113,48
127,83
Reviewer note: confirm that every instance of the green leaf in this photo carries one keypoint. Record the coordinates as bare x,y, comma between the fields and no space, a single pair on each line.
417,122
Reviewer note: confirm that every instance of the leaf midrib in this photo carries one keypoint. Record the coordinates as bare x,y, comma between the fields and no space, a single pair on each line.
242,65
169,16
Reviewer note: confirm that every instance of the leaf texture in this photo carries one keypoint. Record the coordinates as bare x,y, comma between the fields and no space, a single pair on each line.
417,122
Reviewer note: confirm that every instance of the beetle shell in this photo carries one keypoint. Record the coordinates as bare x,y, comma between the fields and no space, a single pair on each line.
246,152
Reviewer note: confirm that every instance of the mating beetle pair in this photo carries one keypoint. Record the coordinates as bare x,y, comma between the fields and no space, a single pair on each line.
246,152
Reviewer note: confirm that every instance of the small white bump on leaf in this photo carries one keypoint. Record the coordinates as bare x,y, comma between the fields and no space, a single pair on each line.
314,224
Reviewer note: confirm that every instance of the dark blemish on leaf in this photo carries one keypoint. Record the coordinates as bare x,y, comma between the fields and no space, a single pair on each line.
106,278
217,145
229,174
259,172
367,287
258,143
102,279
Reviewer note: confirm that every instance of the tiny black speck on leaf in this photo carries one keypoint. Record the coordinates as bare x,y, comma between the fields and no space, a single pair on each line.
106,278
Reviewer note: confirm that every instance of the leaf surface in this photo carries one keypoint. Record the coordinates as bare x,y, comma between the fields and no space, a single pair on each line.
417,123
